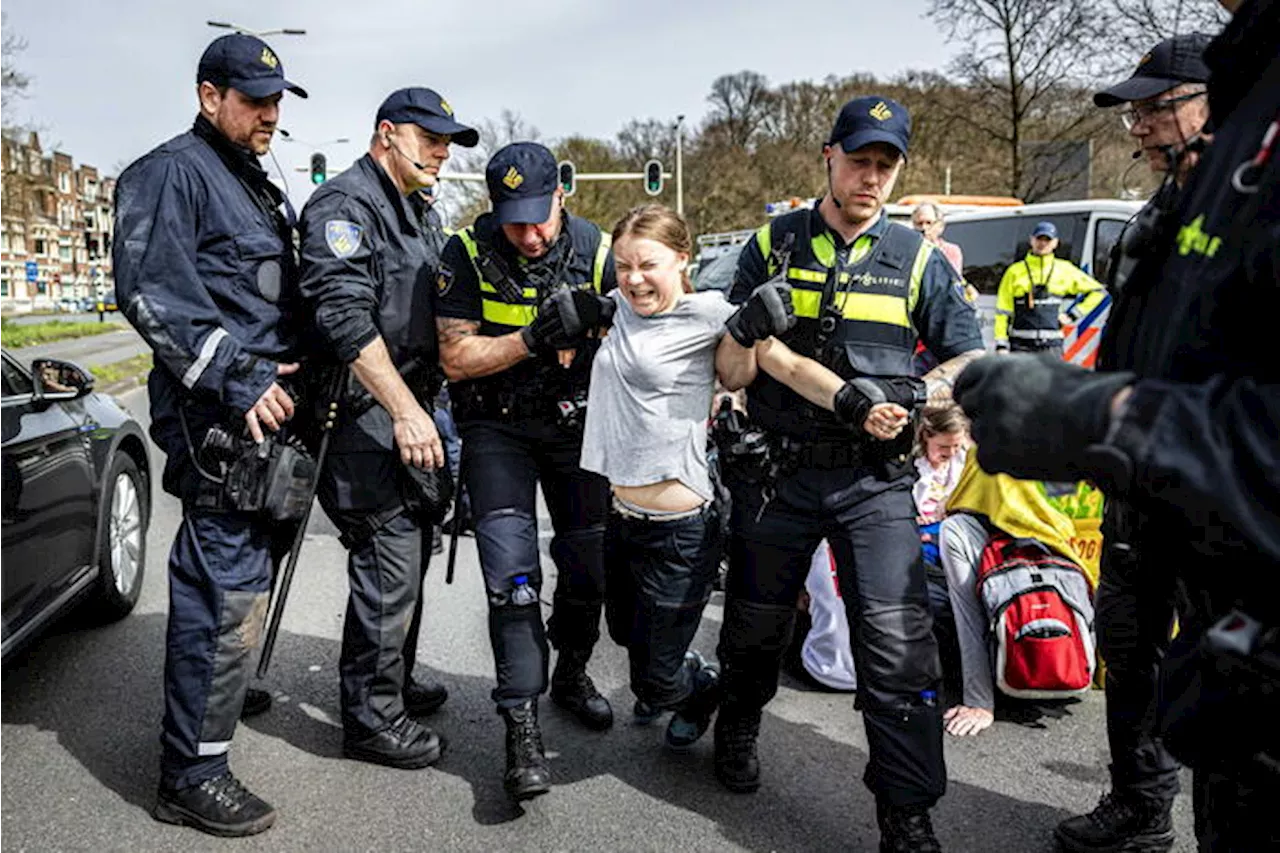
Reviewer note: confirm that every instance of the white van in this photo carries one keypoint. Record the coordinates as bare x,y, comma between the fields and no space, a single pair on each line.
992,239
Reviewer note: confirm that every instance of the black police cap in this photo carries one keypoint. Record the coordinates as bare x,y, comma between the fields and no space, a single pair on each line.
863,121
1171,63
425,108
247,64
522,179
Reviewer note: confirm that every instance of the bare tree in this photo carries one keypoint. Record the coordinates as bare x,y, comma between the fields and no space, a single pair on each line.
739,104
1135,26
13,81
1025,63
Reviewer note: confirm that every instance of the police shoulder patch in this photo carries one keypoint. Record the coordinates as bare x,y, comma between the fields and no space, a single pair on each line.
444,280
343,237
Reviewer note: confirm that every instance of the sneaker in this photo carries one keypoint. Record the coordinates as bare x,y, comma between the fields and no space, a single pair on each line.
693,718
906,829
1119,823
220,806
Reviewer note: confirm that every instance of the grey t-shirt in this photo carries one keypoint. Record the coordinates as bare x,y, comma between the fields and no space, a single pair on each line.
651,389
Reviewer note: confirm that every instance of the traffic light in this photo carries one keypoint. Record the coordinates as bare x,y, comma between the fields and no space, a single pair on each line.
318,167
568,177
653,177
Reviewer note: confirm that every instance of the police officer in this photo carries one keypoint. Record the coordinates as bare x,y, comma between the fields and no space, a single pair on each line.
518,380
1183,432
863,289
1031,303
370,249
206,272
1136,597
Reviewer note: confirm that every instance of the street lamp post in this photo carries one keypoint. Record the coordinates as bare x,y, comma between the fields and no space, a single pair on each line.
285,31
679,165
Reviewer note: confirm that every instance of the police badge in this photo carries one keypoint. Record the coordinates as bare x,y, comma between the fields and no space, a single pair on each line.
342,237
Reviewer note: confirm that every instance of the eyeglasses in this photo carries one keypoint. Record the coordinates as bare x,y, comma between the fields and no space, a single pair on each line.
1145,112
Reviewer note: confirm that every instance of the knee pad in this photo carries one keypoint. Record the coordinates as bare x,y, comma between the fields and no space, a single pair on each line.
754,630
897,655
507,540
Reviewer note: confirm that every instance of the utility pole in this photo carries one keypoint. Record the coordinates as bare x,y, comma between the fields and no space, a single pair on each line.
679,165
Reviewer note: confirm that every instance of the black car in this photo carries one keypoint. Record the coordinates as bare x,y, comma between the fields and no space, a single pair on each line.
77,499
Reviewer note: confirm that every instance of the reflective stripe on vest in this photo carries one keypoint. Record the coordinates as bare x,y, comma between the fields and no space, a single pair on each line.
496,310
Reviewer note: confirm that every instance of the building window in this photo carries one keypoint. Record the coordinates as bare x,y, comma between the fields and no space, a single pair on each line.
90,220
39,246
4,241
64,182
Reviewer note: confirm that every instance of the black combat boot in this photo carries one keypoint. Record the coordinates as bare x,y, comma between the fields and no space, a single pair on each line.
255,702
736,733
1119,822
906,829
527,774
573,690
406,744
424,696
219,806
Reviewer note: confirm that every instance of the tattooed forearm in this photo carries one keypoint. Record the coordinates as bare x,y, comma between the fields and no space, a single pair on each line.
466,354
450,329
939,381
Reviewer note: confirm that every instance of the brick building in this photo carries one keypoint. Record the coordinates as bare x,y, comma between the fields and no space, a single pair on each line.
55,228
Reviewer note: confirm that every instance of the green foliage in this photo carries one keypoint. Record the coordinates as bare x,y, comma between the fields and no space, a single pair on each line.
15,335
117,371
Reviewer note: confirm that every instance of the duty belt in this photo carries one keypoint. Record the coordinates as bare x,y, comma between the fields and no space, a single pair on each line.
1036,334
829,455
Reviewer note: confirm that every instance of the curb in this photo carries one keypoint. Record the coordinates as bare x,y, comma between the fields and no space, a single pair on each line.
120,386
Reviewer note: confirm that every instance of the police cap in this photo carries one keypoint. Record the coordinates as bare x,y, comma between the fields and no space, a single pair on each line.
425,108
863,121
246,64
522,179
1171,63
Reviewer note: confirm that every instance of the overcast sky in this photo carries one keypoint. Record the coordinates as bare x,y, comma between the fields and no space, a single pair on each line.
113,79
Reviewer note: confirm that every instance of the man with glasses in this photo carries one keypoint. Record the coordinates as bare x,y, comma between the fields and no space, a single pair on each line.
1135,599
370,249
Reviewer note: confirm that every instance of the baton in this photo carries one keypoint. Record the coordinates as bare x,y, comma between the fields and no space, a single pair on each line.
457,518
286,577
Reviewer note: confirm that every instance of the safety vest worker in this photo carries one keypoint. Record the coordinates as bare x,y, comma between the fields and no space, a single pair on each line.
1035,298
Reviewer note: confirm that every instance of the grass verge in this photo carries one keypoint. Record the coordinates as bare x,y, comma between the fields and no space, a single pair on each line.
16,336
118,371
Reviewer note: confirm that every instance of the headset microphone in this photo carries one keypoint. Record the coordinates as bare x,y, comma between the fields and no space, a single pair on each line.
421,167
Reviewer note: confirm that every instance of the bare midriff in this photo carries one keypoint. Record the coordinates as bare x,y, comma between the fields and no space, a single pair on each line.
667,496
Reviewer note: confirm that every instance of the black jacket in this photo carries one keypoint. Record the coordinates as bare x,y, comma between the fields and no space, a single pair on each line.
1195,322
369,258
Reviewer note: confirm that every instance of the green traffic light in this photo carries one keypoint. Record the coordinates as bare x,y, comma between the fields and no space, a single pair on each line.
317,178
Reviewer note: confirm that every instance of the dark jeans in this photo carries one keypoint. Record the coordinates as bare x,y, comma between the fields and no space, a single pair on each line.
1134,609
505,462
870,524
660,575
1054,347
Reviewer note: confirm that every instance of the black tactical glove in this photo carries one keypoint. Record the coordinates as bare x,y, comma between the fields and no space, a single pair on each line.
768,311
1036,417
857,396
565,317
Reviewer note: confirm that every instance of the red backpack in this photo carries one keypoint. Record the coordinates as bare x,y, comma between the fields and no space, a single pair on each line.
1041,610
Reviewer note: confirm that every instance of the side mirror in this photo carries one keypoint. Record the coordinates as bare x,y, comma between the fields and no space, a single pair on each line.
60,380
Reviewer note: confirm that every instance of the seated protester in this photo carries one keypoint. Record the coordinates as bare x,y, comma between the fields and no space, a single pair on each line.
981,505
652,386
942,440
826,654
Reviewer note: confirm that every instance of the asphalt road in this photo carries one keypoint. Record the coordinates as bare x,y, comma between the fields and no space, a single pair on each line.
80,749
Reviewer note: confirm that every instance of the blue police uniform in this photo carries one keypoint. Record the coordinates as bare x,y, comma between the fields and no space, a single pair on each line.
860,309
205,271
369,259
1200,431
522,426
